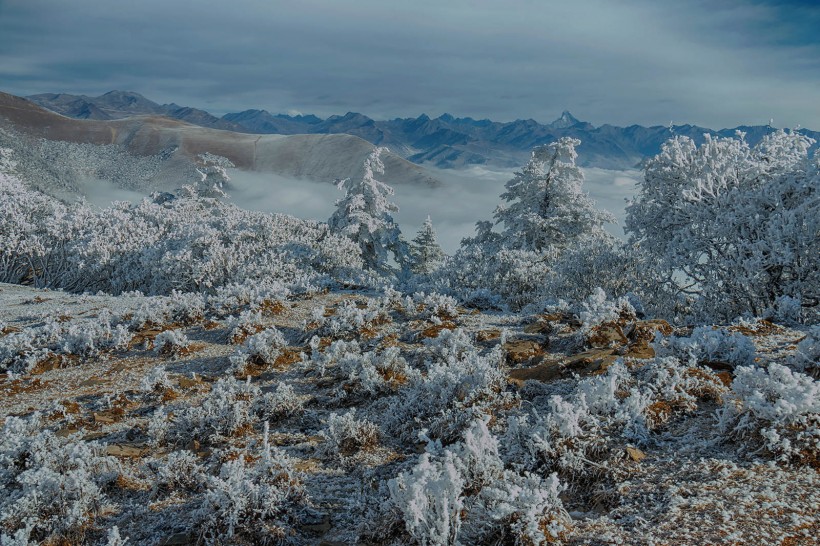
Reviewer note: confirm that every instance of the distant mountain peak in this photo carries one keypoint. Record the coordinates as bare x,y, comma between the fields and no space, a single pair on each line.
566,120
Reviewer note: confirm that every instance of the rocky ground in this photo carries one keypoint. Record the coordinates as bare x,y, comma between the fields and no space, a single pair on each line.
184,409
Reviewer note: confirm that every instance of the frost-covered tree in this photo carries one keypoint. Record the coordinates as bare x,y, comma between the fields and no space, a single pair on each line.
731,228
551,243
213,172
425,253
363,214
545,205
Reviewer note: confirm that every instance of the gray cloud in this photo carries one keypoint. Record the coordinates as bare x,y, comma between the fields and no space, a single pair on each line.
632,61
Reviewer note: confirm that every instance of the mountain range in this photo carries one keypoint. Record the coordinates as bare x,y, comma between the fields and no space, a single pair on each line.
444,142
320,157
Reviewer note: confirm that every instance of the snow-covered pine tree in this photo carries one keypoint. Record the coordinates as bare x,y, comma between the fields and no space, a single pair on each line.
363,214
550,232
545,207
425,253
213,172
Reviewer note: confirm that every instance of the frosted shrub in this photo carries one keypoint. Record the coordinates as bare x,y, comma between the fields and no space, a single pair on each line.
264,347
280,404
463,494
260,349
179,470
807,357
346,436
477,455
436,305
227,410
251,502
708,344
429,499
597,309
243,325
779,407
52,487
373,372
730,227
349,319
450,345
451,392
524,509
172,343
187,244
113,537
157,381
21,351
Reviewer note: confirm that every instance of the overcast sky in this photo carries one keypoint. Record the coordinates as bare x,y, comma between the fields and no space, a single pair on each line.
712,63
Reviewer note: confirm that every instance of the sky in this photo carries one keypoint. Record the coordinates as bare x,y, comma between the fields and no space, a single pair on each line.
712,63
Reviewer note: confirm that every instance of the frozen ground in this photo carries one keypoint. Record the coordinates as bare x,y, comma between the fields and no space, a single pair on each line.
321,418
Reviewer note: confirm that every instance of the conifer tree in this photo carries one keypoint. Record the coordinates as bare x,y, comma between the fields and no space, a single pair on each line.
425,253
363,214
546,209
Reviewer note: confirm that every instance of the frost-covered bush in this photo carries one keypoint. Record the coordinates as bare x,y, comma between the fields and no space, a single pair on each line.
360,372
251,501
186,244
177,471
345,435
709,344
243,325
729,228
430,499
597,309
464,495
157,381
807,357
229,409
777,407
172,343
261,349
52,487
281,403
449,345
432,305
352,319
21,351
451,392
581,434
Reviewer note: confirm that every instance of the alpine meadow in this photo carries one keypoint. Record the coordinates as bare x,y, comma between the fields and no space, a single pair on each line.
274,323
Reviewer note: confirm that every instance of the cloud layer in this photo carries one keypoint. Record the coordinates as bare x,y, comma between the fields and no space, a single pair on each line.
632,61
466,197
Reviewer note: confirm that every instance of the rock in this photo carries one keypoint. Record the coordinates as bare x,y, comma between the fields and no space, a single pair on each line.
131,451
522,350
594,360
177,539
538,327
543,372
635,454
107,417
608,334
487,335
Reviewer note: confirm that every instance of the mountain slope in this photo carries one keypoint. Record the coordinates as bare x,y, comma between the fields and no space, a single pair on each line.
314,157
